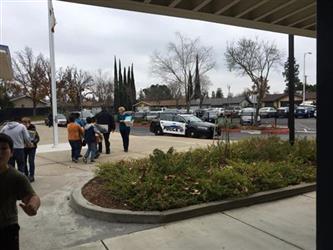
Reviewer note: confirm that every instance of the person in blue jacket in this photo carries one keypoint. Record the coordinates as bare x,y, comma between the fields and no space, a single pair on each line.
124,126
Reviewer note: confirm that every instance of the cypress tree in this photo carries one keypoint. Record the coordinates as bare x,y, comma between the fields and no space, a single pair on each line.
133,86
189,91
129,89
197,88
116,87
125,95
120,87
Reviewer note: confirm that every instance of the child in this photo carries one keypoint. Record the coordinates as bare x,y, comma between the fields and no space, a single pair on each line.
90,138
98,135
13,186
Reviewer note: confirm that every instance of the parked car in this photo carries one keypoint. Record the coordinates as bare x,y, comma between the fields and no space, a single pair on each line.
83,114
62,120
151,115
282,112
199,112
247,116
140,115
232,111
210,116
304,112
182,124
267,112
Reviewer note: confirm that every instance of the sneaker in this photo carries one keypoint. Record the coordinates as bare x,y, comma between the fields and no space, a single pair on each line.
126,150
97,155
75,160
31,178
92,161
85,159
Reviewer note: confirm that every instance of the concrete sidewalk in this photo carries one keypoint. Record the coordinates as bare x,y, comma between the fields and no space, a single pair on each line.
285,224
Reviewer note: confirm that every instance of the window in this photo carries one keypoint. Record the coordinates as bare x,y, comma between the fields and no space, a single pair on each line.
178,118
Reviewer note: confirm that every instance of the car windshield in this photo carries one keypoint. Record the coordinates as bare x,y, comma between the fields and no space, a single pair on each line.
192,118
61,116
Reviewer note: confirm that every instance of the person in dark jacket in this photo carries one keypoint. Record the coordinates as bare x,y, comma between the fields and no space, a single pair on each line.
105,124
125,121
30,151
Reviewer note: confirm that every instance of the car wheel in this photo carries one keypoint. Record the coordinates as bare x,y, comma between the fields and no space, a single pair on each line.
158,131
191,133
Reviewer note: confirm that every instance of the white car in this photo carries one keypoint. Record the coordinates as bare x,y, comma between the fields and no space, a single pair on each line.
267,112
247,116
62,120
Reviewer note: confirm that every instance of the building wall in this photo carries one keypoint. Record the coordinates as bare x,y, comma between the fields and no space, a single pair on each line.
27,103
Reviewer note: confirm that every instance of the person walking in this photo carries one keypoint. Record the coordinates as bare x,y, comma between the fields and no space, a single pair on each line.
125,121
30,151
50,119
90,134
105,124
90,137
14,186
75,133
20,136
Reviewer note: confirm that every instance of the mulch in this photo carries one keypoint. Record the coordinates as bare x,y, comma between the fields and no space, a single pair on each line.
96,194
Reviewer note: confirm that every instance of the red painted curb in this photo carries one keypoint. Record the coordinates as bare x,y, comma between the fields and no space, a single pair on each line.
275,131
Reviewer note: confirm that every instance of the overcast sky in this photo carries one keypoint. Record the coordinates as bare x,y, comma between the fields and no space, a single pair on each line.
89,37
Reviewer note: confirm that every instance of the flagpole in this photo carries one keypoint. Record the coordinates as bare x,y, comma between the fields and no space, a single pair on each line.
53,82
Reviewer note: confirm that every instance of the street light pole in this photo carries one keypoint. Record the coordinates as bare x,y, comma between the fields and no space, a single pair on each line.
304,75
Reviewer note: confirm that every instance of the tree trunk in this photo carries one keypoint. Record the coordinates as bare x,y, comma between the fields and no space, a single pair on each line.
34,108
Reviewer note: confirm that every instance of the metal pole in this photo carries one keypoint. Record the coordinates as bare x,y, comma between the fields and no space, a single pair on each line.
304,84
291,88
53,82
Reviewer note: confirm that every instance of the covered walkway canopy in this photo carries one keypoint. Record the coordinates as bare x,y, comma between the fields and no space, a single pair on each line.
292,17
297,17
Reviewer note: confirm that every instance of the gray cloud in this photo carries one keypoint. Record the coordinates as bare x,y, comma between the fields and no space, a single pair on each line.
89,37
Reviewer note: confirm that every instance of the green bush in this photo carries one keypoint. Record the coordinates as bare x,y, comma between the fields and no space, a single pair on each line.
171,179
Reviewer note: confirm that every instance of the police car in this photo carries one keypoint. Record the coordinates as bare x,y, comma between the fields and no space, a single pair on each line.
182,124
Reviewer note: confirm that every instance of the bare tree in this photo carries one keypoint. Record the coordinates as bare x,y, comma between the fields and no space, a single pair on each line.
78,85
30,73
255,59
102,88
174,67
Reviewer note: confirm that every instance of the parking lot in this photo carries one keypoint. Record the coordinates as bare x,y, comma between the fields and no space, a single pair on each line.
303,127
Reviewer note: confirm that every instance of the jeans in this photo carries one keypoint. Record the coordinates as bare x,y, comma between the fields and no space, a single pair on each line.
107,143
30,154
9,237
18,157
76,149
125,136
92,148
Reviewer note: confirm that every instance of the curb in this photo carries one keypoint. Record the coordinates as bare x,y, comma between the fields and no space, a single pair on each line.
260,131
84,207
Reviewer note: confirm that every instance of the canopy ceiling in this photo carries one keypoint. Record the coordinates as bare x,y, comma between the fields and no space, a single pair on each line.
296,17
